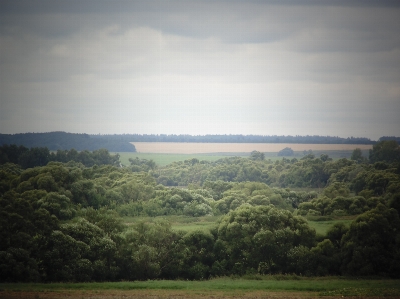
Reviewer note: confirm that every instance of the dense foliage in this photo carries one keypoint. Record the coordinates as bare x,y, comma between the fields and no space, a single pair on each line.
62,221
306,172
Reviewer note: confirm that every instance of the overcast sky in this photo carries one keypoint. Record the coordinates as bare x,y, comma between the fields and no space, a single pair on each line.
201,67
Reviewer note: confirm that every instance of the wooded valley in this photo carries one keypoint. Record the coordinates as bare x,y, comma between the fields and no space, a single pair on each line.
62,216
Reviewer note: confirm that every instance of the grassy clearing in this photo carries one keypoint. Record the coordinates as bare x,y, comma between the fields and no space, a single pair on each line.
189,224
179,222
321,227
280,285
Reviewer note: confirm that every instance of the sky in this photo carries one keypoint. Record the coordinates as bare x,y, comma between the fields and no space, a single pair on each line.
201,67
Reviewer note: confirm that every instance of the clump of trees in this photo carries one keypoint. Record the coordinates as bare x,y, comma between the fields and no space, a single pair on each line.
63,221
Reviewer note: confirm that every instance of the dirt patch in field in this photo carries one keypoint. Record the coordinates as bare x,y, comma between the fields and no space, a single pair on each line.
166,294
201,148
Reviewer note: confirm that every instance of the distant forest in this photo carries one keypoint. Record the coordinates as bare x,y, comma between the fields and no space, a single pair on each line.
66,141
385,138
240,139
121,142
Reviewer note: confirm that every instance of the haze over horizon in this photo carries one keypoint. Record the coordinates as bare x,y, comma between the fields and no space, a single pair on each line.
201,67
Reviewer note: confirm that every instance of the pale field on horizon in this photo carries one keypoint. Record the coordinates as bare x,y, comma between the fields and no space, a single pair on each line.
201,148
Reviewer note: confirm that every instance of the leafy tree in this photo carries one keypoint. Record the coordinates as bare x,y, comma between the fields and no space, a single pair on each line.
217,187
58,205
24,229
325,157
11,153
63,259
262,237
357,156
8,173
150,250
336,233
198,256
138,165
34,157
371,246
17,265
394,202
336,189
256,155
324,260
107,220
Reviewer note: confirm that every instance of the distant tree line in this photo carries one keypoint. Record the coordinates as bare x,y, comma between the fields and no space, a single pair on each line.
122,142
66,141
315,139
386,138
40,156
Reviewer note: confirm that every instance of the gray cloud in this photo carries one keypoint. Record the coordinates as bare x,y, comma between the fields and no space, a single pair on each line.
258,67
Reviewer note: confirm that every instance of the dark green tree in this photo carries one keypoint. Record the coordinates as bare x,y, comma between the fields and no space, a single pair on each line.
357,156
371,246
261,238
386,150
11,153
198,257
256,155
38,156
287,151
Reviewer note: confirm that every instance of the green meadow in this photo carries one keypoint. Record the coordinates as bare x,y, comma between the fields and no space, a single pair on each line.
257,286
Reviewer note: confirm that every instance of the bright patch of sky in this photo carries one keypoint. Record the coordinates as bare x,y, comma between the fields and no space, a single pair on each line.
201,67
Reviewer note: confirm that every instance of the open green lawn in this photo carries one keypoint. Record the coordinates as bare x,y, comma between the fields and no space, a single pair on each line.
258,286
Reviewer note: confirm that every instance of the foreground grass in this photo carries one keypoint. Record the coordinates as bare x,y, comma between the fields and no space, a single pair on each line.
280,284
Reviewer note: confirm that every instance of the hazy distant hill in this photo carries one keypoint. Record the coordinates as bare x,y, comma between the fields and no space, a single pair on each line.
238,139
66,141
